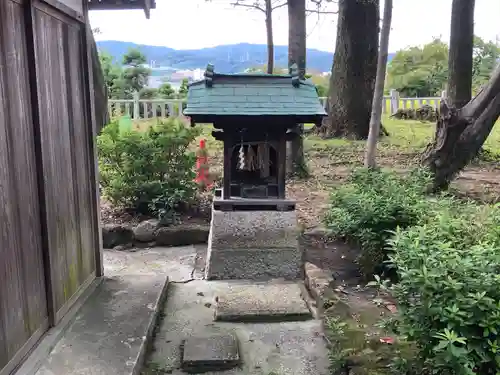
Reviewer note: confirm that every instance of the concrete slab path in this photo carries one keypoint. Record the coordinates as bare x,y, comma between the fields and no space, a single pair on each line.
110,333
279,348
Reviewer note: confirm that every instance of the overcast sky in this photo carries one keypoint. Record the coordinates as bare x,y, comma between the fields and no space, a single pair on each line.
193,24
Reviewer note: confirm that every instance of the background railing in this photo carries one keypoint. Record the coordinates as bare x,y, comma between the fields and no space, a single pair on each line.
139,109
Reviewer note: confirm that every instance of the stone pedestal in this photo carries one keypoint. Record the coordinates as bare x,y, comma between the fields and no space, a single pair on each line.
253,245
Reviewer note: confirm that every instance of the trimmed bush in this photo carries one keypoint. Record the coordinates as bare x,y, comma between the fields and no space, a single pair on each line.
370,206
448,292
151,171
446,257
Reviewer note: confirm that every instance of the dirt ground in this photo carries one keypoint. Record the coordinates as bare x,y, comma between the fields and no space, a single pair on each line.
479,182
328,168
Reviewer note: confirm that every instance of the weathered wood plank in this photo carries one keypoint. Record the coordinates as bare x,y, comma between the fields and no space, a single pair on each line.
55,123
25,172
47,180
81,154
23,310
11,304
96,119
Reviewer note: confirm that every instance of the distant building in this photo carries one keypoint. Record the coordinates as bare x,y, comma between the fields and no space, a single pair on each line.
198,74
162,74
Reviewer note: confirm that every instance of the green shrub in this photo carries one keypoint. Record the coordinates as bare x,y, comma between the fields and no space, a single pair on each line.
148,171
370,206
448,292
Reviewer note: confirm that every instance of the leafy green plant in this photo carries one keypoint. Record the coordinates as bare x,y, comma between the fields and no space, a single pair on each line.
448,291
148,171
371,205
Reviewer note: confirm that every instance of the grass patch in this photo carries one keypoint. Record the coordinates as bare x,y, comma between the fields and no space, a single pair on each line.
405,136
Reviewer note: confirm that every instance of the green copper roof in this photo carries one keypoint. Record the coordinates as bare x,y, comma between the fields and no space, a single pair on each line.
252,95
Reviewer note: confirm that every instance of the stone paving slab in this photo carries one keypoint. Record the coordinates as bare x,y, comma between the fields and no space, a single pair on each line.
217,352
110,332
261,303
291,348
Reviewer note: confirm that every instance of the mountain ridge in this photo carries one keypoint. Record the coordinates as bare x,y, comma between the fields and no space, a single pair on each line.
230,58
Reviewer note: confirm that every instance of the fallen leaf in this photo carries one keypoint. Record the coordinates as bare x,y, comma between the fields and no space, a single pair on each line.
392,308
387,340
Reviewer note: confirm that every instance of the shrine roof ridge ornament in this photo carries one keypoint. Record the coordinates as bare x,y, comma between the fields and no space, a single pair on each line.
294,77
253,94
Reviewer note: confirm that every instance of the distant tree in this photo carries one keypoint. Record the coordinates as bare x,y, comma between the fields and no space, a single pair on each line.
378,95
100,92
267,7
166,91
112,73
354,69
134,58
183,89
485,58
419,71
148,93
135,74
423,71
460,60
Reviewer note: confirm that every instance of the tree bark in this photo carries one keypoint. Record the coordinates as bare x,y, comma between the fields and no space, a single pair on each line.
270,40
354,70
378,97
460,55
297,35
297,55
460,133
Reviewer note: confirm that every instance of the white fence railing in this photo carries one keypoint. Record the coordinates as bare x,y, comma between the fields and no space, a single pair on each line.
139,109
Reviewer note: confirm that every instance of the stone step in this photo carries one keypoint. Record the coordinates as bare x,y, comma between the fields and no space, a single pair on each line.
217,352
265,302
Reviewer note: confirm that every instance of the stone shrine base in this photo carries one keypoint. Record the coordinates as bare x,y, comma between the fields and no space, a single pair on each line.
253,245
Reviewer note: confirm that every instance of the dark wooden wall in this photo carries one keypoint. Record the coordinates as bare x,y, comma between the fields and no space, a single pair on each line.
49,231
23,308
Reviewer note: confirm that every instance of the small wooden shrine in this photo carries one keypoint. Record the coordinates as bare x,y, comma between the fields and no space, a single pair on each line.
254,116
253,231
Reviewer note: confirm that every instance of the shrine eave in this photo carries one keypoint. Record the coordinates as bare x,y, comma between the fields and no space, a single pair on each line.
258,120
146,5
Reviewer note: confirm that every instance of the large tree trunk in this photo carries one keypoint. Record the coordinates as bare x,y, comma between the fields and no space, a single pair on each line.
378,97
461,133
460,59
270,41
354,70
297,55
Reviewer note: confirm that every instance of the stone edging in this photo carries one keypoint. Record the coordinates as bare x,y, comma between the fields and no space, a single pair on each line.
150,233
319,283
